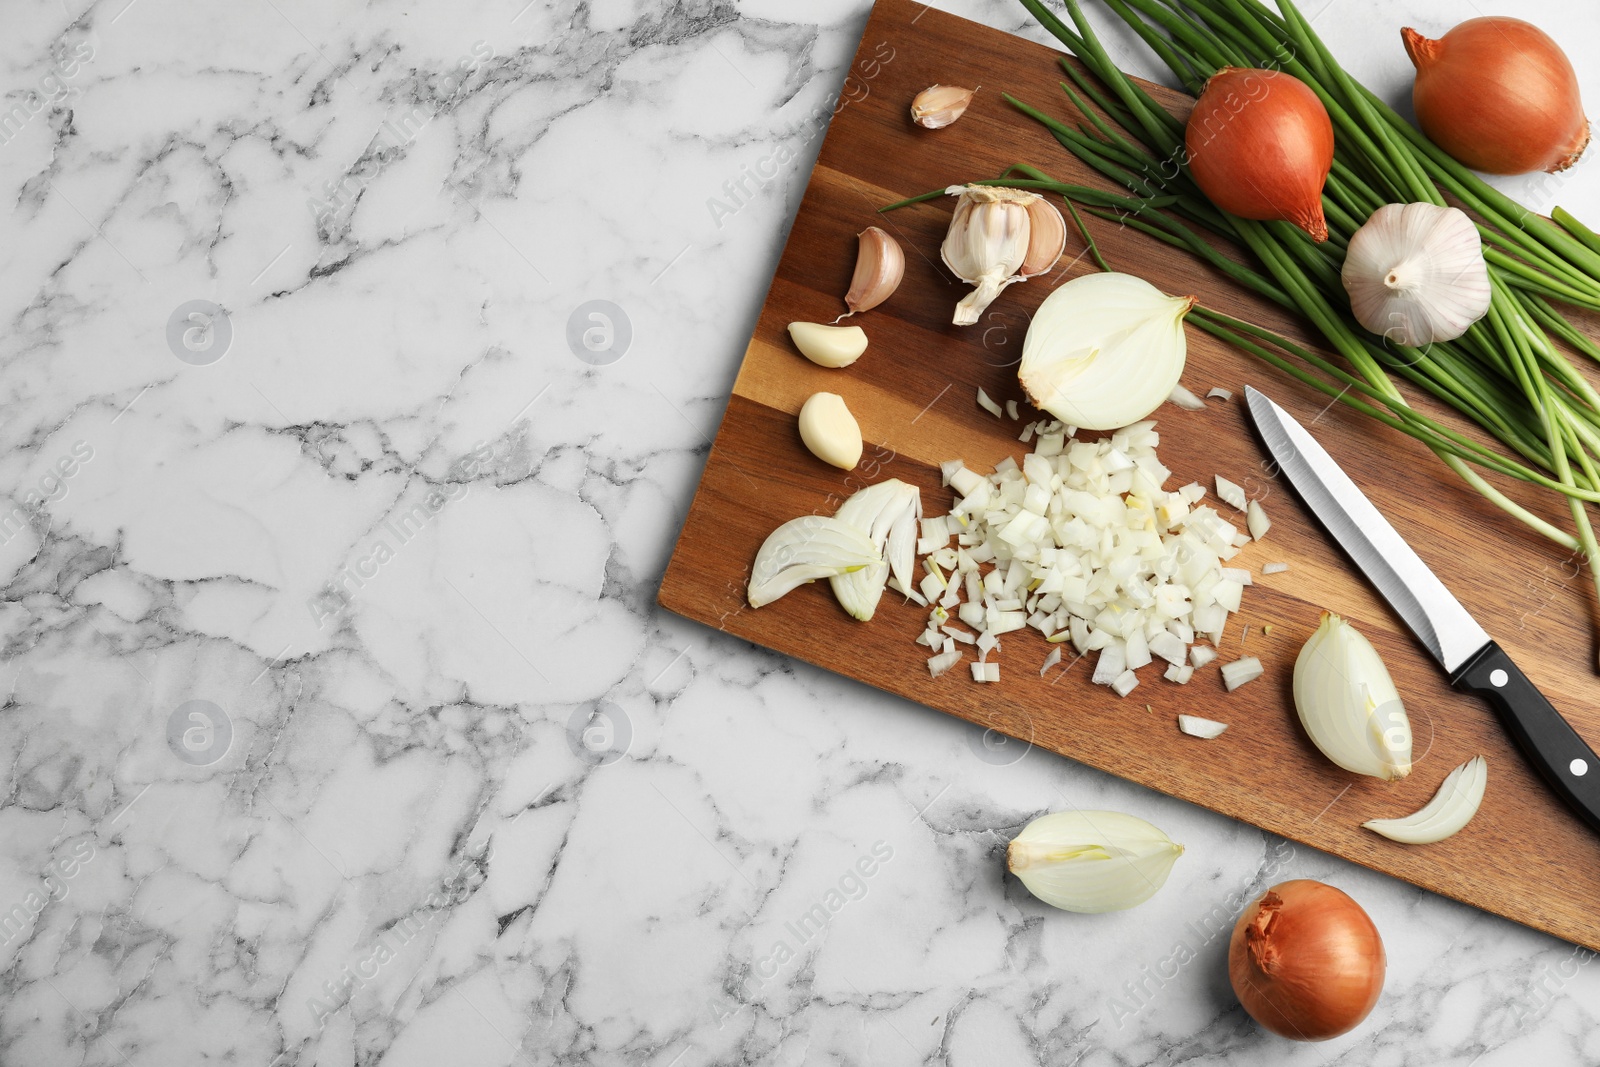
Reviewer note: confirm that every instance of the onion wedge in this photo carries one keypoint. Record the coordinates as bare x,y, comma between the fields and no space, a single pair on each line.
887,513
1451,808
805,549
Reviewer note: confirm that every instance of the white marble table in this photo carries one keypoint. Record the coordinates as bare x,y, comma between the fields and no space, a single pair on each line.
400,543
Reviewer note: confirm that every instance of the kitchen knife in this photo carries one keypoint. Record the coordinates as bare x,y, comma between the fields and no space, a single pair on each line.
1472,660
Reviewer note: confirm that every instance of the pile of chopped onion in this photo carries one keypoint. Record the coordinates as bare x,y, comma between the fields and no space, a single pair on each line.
1083,543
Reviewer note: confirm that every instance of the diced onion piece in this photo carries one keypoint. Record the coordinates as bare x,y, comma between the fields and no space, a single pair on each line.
1256,519
1195,726
1240,671
1011,410
1110,666
1274,568
1125,683
1231,493
943,662
1451,808
1178,674
1237,574
1218,391
1168,647
1200,655
1050,661
1186,400
990,406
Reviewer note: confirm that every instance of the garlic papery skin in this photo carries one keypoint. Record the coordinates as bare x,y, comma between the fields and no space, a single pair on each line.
1104,350
938,106
830,431
828,346
1047,238
1415,274
1451,808
1348,704
1092,861
803,550
986,244
887,513
880,264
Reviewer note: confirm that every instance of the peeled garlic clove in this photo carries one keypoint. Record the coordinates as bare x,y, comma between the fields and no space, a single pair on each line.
1451,808
830,431
1092,861
880,264
938,106
1416,274
1104,350
986,244
1348,703
803,550
887,513
828,346
1047,238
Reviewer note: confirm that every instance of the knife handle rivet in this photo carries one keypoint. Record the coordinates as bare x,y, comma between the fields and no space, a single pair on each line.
1498,678
1578,767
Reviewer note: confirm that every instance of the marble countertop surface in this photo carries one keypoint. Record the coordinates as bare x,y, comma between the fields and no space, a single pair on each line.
341,726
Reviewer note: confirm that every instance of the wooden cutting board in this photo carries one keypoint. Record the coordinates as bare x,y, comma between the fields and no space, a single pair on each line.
1524,856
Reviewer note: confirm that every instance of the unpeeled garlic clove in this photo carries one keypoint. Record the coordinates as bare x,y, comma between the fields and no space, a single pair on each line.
828,346
1092,861
1047,238
938,106
986,244
830,431
1415,274
880,264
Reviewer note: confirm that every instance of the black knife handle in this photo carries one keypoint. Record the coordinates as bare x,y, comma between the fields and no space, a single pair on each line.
1551,745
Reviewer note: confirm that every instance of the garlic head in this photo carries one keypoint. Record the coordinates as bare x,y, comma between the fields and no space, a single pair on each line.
1415,274
1348,703
1104,350
987,243
1092,861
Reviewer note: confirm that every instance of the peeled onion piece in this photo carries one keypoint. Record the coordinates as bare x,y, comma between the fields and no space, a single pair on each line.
1260,145
1499,95
1104,350
1306,961
803,550
887,513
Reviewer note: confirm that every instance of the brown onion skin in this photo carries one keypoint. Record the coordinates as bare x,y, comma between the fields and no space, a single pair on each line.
1260,144
1317,970
1499,95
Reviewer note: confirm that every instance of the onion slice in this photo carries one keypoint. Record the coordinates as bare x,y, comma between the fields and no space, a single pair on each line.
803,550
887,514
1451,808
1195,726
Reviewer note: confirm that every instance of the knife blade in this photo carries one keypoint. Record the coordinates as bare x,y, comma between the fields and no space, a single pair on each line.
1473,661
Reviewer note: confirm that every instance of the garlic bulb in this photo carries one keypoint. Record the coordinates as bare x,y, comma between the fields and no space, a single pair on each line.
880,264
1415,274
887,513
1104,350
803,550
1092,861
938,106
828,346
987,243
1451,808
1348,704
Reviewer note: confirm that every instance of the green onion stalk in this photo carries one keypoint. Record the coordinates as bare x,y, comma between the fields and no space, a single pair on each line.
1506,373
